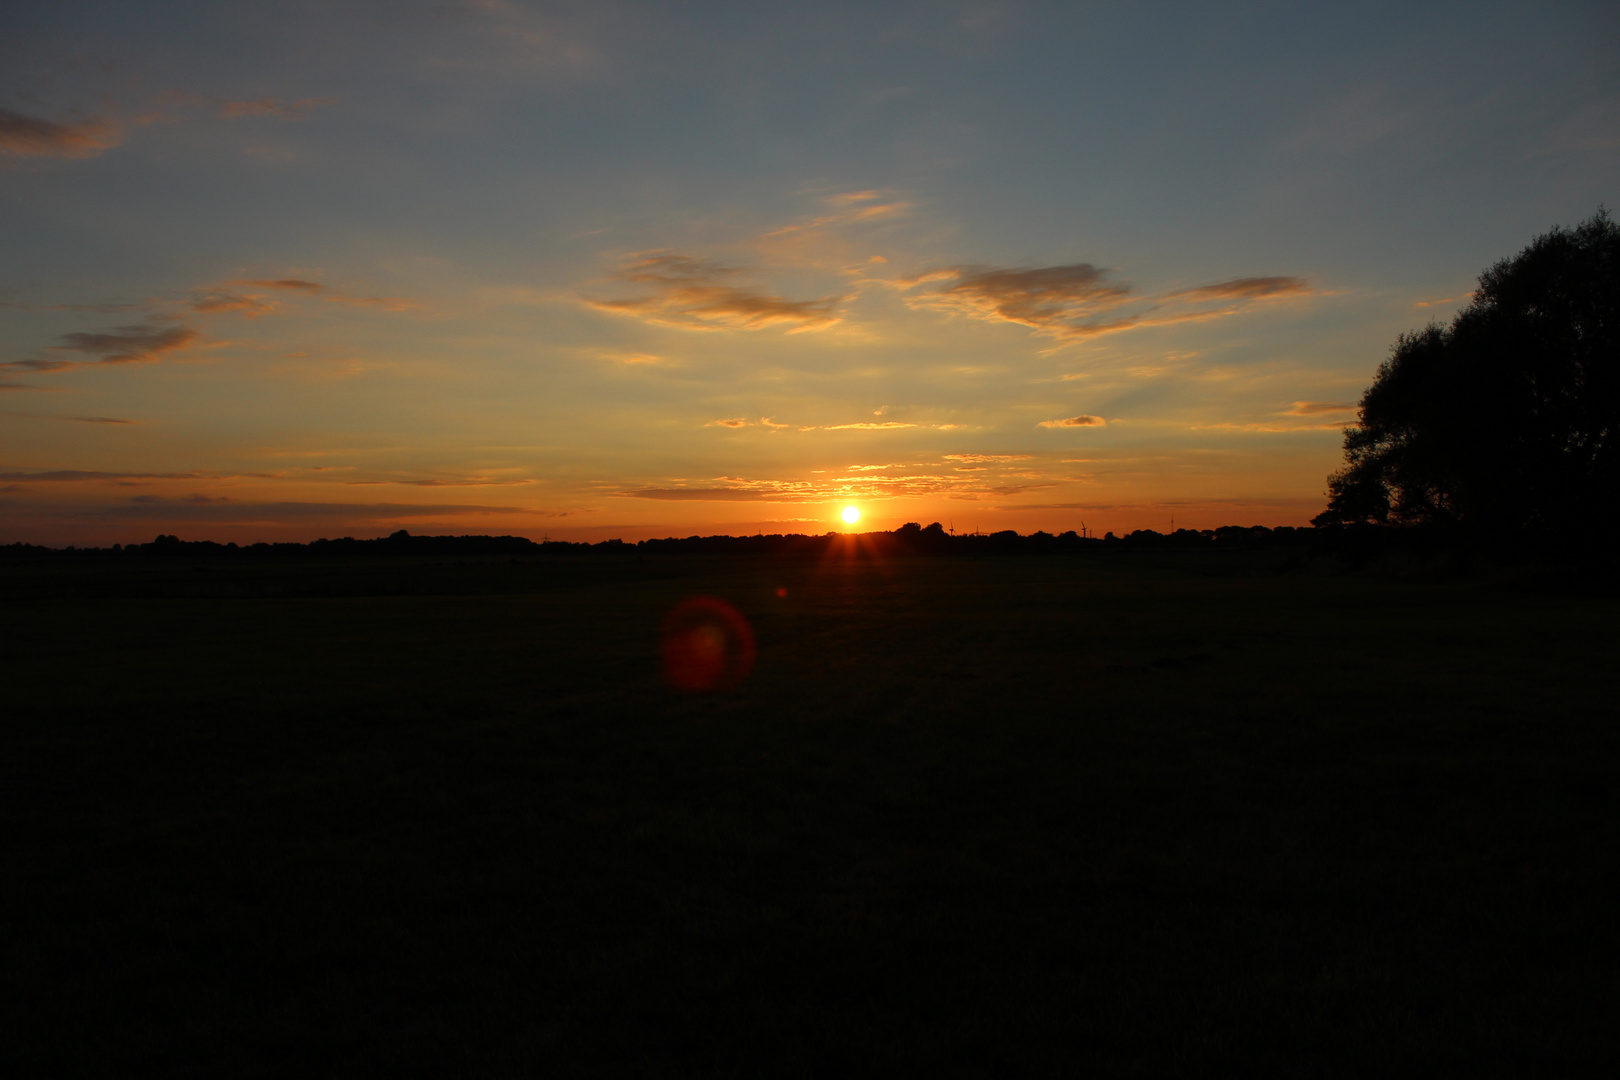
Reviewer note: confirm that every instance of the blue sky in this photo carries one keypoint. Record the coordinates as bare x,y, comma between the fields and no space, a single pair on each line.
629,270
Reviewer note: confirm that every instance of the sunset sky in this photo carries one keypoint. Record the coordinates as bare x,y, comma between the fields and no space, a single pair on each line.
284,271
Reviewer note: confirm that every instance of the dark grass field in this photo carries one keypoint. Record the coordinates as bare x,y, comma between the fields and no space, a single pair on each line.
1138,815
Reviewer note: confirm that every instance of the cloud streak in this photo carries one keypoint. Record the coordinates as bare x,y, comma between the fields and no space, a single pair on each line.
698,294
1083,420
119,345
1076,301
31,136
271,106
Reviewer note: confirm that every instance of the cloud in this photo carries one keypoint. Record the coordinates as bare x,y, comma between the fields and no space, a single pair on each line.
1249,288
450,481
226,511
863,484
697,294
705,495
120,345
1072,300
270,106
1078,300
988,457
30,136
865,426
1083,420
217,301
386,303
737,423
225,299
296,284
59,476
837,237
97,420
130,344
1317,408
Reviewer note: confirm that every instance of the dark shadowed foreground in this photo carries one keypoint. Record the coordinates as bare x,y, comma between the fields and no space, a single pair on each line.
1144,814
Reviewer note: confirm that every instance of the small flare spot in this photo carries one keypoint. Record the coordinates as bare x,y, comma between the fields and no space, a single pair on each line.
780,593
708,645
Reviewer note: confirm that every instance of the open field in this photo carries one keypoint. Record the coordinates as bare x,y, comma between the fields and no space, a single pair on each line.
1149,814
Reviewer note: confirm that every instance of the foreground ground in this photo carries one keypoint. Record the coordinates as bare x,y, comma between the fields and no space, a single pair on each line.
1139,815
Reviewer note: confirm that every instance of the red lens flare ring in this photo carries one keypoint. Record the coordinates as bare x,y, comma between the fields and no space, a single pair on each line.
708,645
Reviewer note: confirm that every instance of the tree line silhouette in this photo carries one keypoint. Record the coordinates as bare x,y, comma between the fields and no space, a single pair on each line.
910,538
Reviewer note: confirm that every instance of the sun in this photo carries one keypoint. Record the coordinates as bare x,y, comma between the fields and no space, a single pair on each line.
851,515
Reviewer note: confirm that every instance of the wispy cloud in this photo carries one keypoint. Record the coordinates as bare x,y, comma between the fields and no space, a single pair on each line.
217,301
988,457
698,294
863,485
31,136
294,284
1319,408
74,476
272,106
1083,420
230,511
384,303
1249,288
451,481
119,345
1076,301
836,237
232,297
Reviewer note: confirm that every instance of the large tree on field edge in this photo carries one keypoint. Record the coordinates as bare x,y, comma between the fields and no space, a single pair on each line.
1505,423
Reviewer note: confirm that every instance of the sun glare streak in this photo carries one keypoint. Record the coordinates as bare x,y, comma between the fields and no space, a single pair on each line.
851,515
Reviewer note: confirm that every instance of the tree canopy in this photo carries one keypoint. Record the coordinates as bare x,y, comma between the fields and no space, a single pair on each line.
1505,422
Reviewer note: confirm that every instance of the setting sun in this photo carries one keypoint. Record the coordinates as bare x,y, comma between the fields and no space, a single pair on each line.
851,515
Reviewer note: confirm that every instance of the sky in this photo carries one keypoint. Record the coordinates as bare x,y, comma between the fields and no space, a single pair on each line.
581,271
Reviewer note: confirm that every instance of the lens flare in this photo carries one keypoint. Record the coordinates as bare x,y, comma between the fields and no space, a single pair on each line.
851,515
708,645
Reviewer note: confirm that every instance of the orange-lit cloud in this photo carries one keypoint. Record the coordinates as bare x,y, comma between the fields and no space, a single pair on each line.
228,511
1072,300
1083,420
218,301
1317,408
1077,301
833,238
449,481
30,136
987,457
863,485
295,284
270,106
1249,288
696,294
120,345
73,476
384,303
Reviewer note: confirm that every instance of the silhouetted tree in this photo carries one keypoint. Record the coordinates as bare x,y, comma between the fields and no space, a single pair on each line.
1506,421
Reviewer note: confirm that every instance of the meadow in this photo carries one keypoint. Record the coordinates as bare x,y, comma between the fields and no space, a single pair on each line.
1138,814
